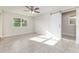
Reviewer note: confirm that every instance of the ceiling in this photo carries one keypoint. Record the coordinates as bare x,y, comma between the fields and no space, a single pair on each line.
43,9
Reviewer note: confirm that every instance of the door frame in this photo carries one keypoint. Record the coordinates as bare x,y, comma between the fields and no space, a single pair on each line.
74,9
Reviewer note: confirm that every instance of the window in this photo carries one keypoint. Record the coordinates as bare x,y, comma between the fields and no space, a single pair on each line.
72,20
24,22
18,22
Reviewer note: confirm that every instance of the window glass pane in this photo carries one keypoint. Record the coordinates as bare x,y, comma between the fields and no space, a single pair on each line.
17,22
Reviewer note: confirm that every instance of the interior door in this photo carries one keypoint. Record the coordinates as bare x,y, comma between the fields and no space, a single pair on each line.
56,24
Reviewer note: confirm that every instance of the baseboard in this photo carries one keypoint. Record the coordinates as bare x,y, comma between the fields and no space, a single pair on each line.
68,34
16,35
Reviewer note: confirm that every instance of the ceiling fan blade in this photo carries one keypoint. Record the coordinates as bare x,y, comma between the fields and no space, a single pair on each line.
28,7
37,11
36,8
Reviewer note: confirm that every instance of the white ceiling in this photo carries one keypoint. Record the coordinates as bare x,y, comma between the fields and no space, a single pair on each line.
43,9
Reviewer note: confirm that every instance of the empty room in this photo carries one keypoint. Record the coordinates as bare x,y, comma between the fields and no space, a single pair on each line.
39,29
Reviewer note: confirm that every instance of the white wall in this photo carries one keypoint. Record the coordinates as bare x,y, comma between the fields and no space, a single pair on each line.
68,29
77,25
9,30
1,21
48,24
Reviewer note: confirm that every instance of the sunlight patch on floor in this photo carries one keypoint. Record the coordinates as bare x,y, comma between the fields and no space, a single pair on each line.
44,40
45,36
51,42
37,39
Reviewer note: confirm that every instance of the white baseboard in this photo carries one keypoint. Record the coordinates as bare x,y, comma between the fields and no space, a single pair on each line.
68,34
6,36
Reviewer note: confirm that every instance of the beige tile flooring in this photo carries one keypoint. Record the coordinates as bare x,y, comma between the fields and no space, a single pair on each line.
34,43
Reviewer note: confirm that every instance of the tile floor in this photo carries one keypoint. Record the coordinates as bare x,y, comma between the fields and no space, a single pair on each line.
34,43
69,37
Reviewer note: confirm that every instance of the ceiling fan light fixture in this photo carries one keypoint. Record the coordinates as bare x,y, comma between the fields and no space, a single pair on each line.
32,13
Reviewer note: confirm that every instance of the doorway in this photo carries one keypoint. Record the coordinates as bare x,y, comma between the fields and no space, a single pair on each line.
69,25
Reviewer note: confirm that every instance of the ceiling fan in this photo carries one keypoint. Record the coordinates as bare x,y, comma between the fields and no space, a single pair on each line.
32,9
